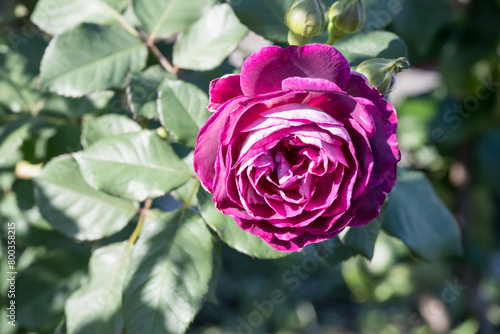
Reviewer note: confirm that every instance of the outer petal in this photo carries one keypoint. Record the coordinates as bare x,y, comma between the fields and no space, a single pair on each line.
224,89
358,86
264,71
207,145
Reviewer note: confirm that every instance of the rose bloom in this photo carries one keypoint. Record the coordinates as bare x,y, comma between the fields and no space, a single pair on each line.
298,146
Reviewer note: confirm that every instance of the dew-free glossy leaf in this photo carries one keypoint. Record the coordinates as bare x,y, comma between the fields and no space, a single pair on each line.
205,44
142,92
97,128
11,139
136,165
90,58
183,110
163,18
76,209
233,235
170,273
418,217
266,18
362,239
57,16
96,306
374,44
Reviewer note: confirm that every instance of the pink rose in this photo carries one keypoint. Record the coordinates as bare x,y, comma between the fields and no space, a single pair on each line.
298,146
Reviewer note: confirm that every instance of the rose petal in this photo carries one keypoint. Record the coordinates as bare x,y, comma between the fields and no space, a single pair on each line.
264,70
310,84
224,89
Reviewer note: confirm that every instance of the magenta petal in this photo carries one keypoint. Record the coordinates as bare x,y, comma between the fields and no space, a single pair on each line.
207,144
358,86
310,84
264,70
224,89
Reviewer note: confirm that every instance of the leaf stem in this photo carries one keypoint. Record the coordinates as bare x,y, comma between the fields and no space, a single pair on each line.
138,228
161,58
190,197
119,18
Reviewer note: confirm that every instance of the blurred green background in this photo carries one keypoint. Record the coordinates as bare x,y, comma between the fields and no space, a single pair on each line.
449,127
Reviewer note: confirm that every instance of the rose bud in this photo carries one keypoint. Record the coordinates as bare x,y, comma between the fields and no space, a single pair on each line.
298,147
305,18
381,73
346,17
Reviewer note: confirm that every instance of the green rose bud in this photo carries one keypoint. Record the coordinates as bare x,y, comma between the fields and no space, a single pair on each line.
305,18
346,17
381,73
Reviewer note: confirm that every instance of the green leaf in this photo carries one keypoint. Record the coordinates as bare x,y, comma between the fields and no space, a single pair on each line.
76,209
11,139
418,217
170,273
133,165
380,13
97,128
96,306
265,17
43,287
420,21
362,239
333,251
233,235
186,194
57,16
90,58
205,44
143,91
376,44
16,83
163,18
183,110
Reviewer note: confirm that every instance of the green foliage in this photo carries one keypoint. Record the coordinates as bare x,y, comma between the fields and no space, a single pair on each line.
164,18
96,306
89,58
376,44
266,18
206,43
229,231
169,274
140,158
183,110
58,16
416,215
75,208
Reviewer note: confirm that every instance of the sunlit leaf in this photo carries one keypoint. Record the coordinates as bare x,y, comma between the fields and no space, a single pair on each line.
233,235
170,273
136,165
76,209
90,58
205,44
